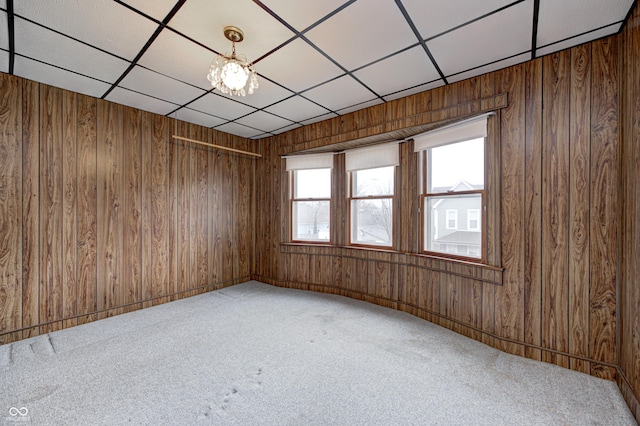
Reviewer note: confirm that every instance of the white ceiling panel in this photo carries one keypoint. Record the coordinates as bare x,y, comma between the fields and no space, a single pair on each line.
101,23
267,93
491,67
318,118
4,33
296,109
498,36
301,14
137,100
3,4
360,106
177,57
407,69
434,17
159,86
286,129
204,21
53,76
157,9
240,130
284,66
221,106
558,20
264,121
197,117
385,32
339,93
4,61
414,90
44,45
612,29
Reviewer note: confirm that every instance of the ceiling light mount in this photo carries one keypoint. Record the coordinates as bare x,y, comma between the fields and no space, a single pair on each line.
231,73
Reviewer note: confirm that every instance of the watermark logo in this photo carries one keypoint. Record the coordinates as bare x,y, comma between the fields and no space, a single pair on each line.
18,414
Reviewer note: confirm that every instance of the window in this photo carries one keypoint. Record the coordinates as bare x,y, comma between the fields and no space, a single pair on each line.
452,219
371,194
453,187
473,220
310,196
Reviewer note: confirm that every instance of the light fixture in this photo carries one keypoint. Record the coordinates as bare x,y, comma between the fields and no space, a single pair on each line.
231,73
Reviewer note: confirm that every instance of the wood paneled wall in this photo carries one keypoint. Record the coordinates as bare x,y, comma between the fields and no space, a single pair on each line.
102,212
629,293
557,138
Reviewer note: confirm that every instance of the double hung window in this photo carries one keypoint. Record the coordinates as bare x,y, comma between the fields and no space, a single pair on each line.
310,197
453,203
371,173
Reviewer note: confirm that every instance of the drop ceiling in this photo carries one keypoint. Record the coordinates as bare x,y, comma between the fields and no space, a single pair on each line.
315,59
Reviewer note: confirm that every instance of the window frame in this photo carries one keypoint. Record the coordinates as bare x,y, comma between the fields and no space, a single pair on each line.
478,219
455,227
351,198
424,195
293,200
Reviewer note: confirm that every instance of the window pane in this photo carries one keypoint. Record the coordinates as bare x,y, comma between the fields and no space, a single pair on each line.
441,236
313,183
311,220
371,222
456,167
373,181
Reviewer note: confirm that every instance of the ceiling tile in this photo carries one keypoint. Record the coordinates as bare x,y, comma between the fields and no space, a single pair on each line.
44,45
4,61
140,101
490,67
300,14
101,23
286,129
57,77
4,37
359,106
296,108
339,93
493,38
157,9
239,130
175,56
264,121
221,106
159,86
284,66
414,90
611,29
318,118
558,20
197,117
204,21
3,4
352,45
267,93
434,17
407,69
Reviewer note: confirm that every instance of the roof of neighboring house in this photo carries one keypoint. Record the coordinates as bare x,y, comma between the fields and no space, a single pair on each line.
462,185
461,237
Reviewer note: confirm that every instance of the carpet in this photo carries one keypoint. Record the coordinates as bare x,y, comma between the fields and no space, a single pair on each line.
254,354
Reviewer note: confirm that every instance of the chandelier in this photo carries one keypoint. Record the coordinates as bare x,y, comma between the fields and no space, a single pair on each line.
231,73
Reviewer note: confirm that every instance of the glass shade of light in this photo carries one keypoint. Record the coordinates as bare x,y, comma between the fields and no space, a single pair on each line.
232,75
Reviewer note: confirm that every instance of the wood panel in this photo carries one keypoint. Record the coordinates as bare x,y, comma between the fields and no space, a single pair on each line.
555,199
579,204
10,206
88,201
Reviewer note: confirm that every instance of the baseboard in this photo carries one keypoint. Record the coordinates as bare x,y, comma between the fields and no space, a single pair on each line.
628,394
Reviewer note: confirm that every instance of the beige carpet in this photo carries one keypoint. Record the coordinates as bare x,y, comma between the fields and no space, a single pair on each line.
254,354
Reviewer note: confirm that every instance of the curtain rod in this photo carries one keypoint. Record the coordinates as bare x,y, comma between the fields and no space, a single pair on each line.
239,151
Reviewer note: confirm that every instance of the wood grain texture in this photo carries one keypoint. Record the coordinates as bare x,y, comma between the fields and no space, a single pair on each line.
69,206
30,206
10,206
159,208
604,202
555,198
579,205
